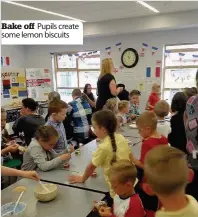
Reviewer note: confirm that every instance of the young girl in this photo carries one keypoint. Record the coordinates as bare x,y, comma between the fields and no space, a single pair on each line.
40,154
112,105
113,147
177,137
134,104
123,110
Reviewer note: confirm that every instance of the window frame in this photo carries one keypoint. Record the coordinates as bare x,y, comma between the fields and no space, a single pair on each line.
176,67
77,69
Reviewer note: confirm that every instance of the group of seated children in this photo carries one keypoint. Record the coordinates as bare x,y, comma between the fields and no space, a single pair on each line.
163,169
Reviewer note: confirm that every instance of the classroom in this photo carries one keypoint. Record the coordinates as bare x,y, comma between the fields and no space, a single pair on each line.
110,126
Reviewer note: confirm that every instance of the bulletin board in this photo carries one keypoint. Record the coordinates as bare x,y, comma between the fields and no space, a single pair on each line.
13,83
38,83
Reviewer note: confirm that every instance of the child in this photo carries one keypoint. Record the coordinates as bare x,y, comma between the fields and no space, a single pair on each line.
162,109
40,152
81,116
134,104
154,97
7,146
177,137
112,105
123,110
57,112
113,147
147,125
29,121
167,172
127,203
6,171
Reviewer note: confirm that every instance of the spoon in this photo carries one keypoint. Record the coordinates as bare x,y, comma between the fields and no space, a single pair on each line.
44,187
16,204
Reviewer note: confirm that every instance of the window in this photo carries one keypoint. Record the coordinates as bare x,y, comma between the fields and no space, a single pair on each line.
74,70
180,67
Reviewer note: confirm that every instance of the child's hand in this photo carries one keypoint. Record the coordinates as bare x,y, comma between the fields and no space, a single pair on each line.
71,149
75,179
31,175
66,156
13,148
105,211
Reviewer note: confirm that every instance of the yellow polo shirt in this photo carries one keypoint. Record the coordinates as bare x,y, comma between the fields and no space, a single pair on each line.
104,154
191,210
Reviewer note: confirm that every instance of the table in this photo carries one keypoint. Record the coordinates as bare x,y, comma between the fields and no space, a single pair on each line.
78,163
71,202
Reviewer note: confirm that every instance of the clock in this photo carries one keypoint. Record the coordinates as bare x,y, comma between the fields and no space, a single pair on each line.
129,58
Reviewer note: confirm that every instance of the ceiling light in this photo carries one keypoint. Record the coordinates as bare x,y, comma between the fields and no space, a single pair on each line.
148,6
41,10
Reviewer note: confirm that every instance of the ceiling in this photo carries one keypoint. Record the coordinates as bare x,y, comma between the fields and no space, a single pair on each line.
92,11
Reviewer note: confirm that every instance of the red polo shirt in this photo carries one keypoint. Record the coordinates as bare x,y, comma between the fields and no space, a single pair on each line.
153,99
151,143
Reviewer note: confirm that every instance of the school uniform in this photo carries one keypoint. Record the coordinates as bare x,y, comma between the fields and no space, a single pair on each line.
37,157
191,210
104,154
163,128
128,207
61,144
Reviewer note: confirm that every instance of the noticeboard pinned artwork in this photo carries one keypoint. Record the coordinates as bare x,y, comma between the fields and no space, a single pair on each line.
11,86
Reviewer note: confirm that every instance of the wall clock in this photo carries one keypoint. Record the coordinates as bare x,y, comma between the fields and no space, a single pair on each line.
129,58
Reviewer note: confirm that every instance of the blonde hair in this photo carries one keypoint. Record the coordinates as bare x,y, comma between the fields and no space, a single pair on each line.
147,119
155,86
124,171
161,108
53,96
166,170
107,67
122,104
112,105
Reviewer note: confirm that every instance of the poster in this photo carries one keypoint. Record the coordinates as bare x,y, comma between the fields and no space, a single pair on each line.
38,83
13,79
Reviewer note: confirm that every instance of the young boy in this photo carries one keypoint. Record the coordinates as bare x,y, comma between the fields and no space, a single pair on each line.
29,121
167,173
154,97
127,203
57,113
134,104
147,125
81,116
162,109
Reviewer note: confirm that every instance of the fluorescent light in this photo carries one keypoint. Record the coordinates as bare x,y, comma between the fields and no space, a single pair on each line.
148,6
41,10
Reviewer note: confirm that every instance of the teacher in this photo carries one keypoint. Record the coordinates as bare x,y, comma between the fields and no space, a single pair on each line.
106,84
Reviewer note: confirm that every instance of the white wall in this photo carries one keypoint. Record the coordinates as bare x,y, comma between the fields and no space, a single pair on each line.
39,56
16,54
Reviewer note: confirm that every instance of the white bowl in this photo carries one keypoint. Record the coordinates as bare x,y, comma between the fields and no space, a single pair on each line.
9,207
42,195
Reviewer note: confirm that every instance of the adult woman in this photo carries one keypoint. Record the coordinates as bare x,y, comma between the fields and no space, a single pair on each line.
106,84
90,97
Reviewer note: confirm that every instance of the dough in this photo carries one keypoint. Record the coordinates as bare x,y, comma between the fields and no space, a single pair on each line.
19,189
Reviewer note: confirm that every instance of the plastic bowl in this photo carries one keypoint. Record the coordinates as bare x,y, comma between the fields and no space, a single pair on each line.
9,207
42,195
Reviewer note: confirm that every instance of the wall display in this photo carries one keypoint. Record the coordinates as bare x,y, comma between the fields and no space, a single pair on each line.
13,83
129,58
38,83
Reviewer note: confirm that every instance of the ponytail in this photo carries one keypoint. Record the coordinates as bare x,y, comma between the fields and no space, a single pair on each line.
114,147
108,120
